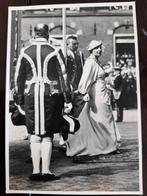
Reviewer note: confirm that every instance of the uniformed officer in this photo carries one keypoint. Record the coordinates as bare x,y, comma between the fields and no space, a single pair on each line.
119,93
42,93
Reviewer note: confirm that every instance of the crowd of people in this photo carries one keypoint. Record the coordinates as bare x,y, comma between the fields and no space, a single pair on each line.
46,84
126,62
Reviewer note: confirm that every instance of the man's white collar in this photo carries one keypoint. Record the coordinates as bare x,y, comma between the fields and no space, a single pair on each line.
39,39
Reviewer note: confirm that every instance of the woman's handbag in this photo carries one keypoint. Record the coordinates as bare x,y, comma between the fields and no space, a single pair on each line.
78,104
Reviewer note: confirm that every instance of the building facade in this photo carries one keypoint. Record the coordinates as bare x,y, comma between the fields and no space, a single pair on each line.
111,24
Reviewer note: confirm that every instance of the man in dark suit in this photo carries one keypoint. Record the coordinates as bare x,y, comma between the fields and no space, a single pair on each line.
118,93
75,62
42,92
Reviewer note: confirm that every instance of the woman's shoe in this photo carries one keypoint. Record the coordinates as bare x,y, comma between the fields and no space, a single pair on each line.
35,177
49,177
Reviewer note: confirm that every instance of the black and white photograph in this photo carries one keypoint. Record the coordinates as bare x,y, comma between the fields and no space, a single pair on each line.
73,109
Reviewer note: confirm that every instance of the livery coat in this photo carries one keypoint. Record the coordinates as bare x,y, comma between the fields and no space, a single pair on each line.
41,87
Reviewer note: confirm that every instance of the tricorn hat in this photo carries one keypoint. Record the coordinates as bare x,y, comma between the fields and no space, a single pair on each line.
70,125
93,44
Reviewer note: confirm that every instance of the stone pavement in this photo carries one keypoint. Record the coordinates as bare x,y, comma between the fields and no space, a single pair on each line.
111,174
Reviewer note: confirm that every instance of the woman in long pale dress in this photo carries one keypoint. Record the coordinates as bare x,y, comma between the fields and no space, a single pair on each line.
98,133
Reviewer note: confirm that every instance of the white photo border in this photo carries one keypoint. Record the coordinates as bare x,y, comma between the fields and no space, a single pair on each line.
15,8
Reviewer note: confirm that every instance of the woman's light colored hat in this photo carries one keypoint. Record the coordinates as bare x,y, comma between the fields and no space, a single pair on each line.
93,44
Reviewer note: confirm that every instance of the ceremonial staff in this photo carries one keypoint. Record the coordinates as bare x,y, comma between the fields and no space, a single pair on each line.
64,30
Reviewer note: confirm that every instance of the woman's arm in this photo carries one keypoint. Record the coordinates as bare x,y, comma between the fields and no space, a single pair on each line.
87,76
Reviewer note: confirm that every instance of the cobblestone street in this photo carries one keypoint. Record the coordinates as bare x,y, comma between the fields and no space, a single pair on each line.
111,173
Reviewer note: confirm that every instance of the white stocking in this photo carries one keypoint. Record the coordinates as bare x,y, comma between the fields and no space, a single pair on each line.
35,152
46,154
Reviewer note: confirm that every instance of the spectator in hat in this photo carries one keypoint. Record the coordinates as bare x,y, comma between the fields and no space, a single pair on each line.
98,133
42,92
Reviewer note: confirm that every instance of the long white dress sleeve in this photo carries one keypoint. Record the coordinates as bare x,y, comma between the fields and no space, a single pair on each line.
89,75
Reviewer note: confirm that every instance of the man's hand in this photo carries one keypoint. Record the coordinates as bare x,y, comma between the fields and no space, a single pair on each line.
67,107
